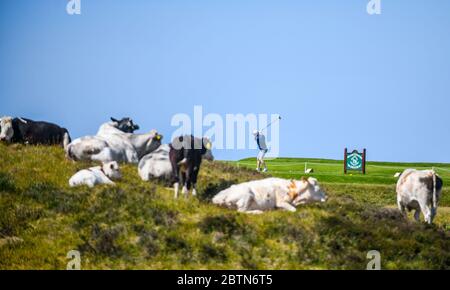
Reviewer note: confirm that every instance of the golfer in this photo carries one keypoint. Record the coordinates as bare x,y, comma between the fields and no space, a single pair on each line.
261,141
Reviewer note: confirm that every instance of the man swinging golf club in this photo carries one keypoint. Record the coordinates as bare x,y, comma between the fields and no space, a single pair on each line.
261,142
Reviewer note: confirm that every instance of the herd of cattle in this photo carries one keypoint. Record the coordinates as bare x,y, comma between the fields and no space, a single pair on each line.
180,161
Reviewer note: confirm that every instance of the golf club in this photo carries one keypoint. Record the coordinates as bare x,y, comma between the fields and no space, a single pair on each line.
270,124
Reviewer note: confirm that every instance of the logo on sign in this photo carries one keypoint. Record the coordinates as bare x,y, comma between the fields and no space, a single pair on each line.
354,161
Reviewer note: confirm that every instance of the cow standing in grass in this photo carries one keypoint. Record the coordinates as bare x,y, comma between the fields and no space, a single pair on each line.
156,165
186,153
420,191
26,131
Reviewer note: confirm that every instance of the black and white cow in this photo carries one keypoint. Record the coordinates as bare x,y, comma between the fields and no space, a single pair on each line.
186,153
114,142
156,165
125,125
21,130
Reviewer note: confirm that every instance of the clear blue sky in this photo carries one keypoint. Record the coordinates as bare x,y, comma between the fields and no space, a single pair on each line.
338,76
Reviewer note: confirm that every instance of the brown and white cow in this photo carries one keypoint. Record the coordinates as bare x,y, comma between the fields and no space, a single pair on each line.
419,190
271,193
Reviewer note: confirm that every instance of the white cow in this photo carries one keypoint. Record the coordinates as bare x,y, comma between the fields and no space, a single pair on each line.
96,175
271,193
113,144
157,164
419,191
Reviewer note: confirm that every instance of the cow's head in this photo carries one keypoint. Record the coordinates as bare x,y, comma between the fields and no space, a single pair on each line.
206,148
6,129
304,191
112,170
153,142
125,125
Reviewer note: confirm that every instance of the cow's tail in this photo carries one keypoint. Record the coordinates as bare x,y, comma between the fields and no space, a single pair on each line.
66,145
434,190
66,140
69,153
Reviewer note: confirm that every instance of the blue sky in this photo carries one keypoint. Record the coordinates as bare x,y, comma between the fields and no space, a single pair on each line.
338,76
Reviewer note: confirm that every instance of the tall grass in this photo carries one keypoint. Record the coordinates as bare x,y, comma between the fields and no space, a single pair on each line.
138,225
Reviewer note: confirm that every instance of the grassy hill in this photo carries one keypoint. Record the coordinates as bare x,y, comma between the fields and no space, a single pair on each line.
377,186
138,225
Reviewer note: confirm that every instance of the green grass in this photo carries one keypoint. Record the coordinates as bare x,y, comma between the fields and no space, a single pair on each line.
138,225
377,186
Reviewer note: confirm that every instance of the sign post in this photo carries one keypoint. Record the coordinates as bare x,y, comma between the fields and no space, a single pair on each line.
355,161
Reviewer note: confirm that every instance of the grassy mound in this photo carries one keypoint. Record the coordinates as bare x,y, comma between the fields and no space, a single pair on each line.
139,225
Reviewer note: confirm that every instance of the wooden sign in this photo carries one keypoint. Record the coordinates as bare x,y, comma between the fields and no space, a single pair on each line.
355,161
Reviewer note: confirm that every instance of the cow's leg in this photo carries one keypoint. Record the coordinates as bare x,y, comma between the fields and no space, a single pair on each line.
286,206
417,215
183,180
176,183
108,181
190,171
426,212
175,171
301,201
243,204
401,207
185,169
194,180
176,186
257,211
433,213
194,189
90,183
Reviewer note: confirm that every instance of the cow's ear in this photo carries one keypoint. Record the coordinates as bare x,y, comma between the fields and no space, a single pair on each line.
114,120
292,186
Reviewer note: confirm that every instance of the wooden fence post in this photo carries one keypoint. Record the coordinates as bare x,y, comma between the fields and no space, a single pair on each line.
345,161
364,161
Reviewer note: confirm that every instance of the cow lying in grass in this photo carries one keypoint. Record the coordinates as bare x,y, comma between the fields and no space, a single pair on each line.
419,191
114,142
270,193
97,175
156,164
26,131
